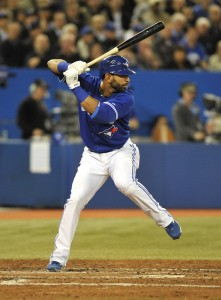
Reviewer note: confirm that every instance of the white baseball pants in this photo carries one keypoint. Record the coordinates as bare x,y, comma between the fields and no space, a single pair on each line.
93,171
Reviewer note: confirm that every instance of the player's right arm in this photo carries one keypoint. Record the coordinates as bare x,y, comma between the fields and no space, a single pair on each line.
59,66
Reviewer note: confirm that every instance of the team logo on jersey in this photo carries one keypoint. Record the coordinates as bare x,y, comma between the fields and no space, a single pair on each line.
109,132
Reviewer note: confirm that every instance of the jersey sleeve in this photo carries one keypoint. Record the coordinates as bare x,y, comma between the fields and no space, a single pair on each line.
88,82
115,108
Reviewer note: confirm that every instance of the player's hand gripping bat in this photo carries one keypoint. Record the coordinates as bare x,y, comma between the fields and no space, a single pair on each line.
143,34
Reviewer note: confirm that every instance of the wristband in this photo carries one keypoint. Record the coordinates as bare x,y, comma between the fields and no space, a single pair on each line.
80,94
62,66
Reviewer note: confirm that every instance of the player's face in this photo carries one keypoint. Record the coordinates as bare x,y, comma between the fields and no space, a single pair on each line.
119,82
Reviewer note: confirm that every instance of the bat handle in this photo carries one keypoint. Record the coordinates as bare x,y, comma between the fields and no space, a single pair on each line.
106,54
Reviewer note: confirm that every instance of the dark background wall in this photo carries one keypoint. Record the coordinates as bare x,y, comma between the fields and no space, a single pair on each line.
177,175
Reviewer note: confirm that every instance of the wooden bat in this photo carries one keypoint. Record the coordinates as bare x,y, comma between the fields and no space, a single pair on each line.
143,34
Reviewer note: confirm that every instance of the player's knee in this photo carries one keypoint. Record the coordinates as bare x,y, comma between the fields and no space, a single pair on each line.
77,202
125,187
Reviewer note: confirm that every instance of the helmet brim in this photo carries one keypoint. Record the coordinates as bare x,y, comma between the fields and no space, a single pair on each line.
123,72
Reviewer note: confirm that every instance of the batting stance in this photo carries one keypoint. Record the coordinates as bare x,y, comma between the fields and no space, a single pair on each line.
105,106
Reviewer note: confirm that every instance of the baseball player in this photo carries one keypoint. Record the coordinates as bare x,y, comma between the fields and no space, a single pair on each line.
105,106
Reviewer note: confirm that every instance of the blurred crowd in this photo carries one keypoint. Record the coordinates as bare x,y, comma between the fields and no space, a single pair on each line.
34,31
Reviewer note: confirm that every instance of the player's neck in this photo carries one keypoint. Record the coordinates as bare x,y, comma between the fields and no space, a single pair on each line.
105,89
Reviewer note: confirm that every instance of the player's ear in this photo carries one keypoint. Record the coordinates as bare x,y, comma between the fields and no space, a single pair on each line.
107,76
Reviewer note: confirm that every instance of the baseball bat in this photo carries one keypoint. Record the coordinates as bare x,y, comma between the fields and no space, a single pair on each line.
143,34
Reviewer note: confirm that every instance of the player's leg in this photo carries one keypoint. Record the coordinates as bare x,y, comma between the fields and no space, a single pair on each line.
123,168
91,175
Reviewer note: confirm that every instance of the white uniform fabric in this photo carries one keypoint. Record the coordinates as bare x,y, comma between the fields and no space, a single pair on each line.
92,173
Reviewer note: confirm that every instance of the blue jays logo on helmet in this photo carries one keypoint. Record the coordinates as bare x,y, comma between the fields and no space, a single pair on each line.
115,64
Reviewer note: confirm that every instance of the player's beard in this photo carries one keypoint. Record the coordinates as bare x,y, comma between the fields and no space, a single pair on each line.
118,87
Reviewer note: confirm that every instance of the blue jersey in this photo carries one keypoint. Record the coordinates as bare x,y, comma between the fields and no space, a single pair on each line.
107,128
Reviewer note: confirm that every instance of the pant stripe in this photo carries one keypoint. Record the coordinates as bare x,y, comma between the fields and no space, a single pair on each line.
140,185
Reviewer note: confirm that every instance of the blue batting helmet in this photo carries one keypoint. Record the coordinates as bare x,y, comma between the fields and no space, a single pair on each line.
115,64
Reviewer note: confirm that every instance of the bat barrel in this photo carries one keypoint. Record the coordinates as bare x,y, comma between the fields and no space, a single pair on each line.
142,35
131,41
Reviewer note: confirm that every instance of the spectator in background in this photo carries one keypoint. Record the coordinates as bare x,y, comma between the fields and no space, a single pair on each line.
96,51
96,7
215,21
44,17
31,17
140,7
53,5
33,117
196,53
178,24
189,14
68,49
55,29
201,8
163,46
85,42
4,20
111,37
179,60
14,5
25,18
12,48
11,6
161,131
203,30
146,57
154,13
34,30
98,23
215,59
70,28
186,115
41,53
76,14
128,17
174,6
120,13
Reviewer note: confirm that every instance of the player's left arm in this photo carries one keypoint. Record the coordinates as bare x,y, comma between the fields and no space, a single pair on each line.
59,66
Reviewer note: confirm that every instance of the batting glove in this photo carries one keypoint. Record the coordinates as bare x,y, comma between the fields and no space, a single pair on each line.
80,66
71,76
